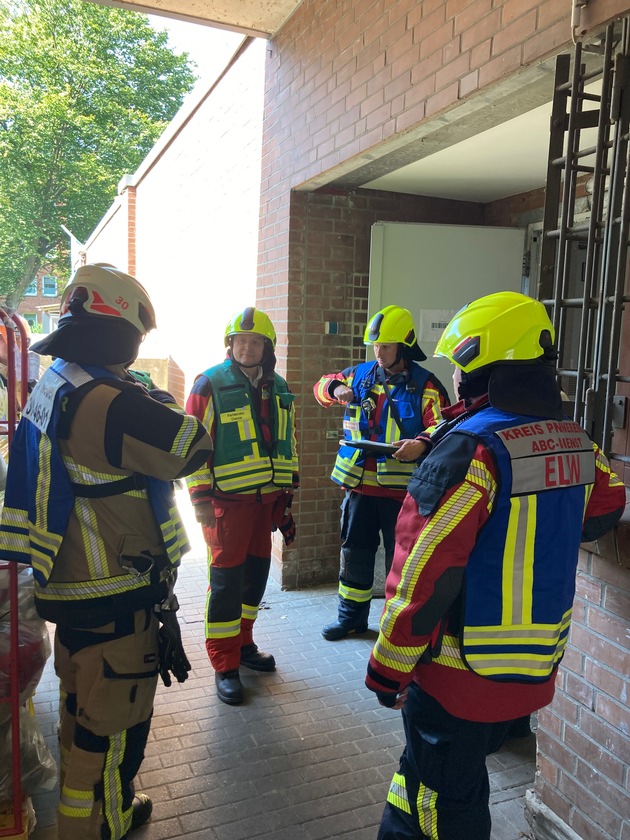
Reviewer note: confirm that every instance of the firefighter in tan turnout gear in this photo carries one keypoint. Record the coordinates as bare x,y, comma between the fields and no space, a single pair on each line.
89,505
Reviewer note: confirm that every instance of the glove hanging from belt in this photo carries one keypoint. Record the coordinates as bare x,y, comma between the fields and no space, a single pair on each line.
171,654
282,518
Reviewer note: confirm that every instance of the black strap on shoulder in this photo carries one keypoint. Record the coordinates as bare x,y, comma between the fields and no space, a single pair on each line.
380,376
68,410
71,403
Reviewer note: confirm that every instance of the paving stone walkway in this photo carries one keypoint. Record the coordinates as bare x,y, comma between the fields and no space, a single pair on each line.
308,756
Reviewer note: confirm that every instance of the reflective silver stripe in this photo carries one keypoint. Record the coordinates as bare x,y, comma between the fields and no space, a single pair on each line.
93,544
89,589
427,815
119,822
397,795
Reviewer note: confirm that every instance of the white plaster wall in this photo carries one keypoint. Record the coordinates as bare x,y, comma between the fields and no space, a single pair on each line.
197,218
108,242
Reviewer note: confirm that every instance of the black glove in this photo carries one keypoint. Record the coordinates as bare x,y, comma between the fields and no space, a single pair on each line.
387,699
171,654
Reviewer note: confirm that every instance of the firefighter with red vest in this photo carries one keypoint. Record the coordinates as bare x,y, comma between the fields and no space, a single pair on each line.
89,505
390,400
479,597
244,490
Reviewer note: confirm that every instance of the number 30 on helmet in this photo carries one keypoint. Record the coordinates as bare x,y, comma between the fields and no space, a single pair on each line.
102,289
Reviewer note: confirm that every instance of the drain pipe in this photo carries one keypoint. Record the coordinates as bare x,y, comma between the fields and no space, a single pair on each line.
577,29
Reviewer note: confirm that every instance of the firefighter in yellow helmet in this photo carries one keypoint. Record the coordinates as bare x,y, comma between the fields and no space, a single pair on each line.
392,400
243,491
89,505
479,597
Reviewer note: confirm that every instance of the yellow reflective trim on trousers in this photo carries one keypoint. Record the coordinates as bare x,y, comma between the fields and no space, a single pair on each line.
349,593
93,544
76,804
119,821
397,794
223,629
250,612
427,815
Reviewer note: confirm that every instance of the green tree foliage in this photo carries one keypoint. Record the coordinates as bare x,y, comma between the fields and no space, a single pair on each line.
85,91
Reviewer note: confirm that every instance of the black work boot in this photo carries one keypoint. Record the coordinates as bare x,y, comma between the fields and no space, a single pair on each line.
141,808
339,630
256,659
229,688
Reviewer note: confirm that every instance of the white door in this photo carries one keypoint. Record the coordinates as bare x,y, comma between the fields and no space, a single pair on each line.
434,270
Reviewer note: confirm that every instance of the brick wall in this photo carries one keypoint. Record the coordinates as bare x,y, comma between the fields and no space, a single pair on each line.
176,381
328,278
345,81
583,743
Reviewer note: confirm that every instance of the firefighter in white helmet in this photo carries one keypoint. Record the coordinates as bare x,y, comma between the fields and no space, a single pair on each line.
89,505
244,491
390,400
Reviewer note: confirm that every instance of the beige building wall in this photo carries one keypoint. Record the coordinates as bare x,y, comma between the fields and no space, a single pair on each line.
186,223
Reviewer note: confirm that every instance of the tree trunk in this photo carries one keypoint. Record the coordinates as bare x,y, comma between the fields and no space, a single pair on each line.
33,264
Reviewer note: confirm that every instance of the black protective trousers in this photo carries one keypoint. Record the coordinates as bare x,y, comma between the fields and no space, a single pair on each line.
441,790
363,520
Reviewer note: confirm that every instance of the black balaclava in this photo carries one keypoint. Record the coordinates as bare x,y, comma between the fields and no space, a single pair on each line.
91,340
528,388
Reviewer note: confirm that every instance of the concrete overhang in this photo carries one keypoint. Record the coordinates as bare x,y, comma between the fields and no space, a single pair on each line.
262,18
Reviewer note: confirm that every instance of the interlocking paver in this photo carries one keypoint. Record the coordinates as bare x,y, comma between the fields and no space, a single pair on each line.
308,756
